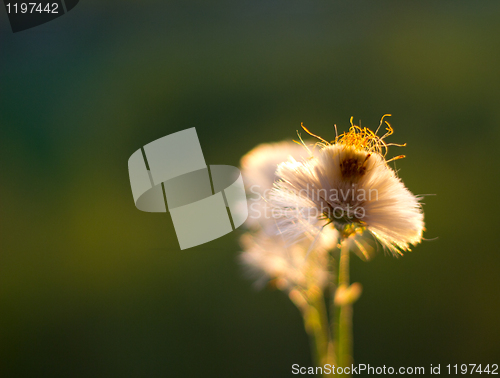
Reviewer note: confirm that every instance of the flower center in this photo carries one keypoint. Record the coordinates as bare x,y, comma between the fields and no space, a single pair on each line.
353,168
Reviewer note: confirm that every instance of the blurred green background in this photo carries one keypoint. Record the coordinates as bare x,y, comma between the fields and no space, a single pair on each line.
92,287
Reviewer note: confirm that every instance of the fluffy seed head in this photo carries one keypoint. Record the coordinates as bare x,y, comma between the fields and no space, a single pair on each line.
268,256
349,185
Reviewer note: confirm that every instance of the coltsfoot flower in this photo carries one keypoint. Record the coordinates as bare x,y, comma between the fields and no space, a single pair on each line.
349,185
267,256
258,168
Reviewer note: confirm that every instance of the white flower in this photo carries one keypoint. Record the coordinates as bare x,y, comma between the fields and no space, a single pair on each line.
350,186
291,266
267,255
258,169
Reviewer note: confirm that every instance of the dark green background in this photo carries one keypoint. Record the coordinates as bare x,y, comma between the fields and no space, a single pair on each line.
92,287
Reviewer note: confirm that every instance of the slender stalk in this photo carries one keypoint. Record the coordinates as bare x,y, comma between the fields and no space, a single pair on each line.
313,311
324,317
319,326
343,336
334,310
319,305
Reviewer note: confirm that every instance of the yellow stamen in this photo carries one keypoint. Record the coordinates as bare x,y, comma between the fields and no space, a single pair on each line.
316,136
362,138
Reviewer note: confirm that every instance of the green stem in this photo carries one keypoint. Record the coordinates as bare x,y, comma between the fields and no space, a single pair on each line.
343,335
334,310
310,305
323,331
316,323
319,331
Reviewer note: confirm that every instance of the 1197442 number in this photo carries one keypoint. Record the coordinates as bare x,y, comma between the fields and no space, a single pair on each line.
472,368
32,8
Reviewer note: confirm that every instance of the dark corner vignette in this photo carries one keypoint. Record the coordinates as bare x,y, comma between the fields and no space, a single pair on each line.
26,14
